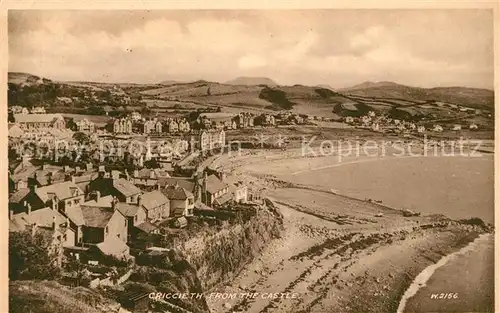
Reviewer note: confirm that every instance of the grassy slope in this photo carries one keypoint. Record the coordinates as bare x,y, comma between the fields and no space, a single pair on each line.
51,297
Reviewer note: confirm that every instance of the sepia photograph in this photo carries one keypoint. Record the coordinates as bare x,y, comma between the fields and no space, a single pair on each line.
251,160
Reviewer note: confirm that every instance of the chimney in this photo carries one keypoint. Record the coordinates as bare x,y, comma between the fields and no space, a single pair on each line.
136,173
66,168
158,187
151,174
44,166
28,208
114,203
54,202
89,166
73,179
139,200
101,168
54,222
67,222
11,215
33,188
97,196
33,228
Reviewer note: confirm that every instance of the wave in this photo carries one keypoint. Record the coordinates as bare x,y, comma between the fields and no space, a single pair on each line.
421,280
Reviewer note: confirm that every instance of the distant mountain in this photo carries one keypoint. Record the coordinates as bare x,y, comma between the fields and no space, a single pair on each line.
369,84
252,81
325,86
169,82
471,97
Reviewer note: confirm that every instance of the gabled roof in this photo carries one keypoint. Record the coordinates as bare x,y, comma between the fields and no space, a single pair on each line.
214,184
103,202
75,214
96,216
185,183
153,199
224,198
19,195
125,187
42,217
177,193
128,210
146,227
62,191
113,246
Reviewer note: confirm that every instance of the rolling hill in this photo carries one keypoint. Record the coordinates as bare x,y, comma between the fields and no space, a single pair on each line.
252,81
260,94
470,97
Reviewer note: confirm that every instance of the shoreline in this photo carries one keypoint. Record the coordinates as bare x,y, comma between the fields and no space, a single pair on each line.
423,277
336,252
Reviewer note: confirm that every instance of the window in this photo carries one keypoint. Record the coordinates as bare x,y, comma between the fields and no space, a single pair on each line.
135,218
107,229
118,235
77,201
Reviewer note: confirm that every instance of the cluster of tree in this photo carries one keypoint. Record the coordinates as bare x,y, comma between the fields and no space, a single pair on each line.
30,256
276,97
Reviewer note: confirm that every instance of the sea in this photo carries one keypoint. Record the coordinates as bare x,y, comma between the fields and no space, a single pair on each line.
457,187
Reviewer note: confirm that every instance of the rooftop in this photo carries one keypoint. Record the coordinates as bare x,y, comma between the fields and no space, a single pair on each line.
96,216
62,191
214,184
37,118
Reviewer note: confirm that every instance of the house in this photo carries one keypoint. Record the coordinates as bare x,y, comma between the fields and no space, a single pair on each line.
209,140
122,126
214,191
183,126
349,119
173,126
420,129
37,121
60,196
156,204
120,188
457,127
151,207
103,223
218,120
85,126
135,215
473,126
240,192
438,128
243,120
135,116
37,110
149,126
181,200
16,109
47,218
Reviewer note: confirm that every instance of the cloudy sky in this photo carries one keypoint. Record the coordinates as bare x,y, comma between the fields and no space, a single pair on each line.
336,47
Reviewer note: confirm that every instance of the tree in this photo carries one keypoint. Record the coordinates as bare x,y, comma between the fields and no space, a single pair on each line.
30,256
82,138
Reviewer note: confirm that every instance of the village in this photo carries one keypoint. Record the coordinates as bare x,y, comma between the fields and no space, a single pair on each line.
132,190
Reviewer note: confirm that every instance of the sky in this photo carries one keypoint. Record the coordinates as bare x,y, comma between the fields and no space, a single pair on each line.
335,47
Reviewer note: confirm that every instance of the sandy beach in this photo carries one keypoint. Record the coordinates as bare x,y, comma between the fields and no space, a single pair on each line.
337,253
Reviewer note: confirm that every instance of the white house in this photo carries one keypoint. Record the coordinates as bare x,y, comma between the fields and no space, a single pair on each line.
438,128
